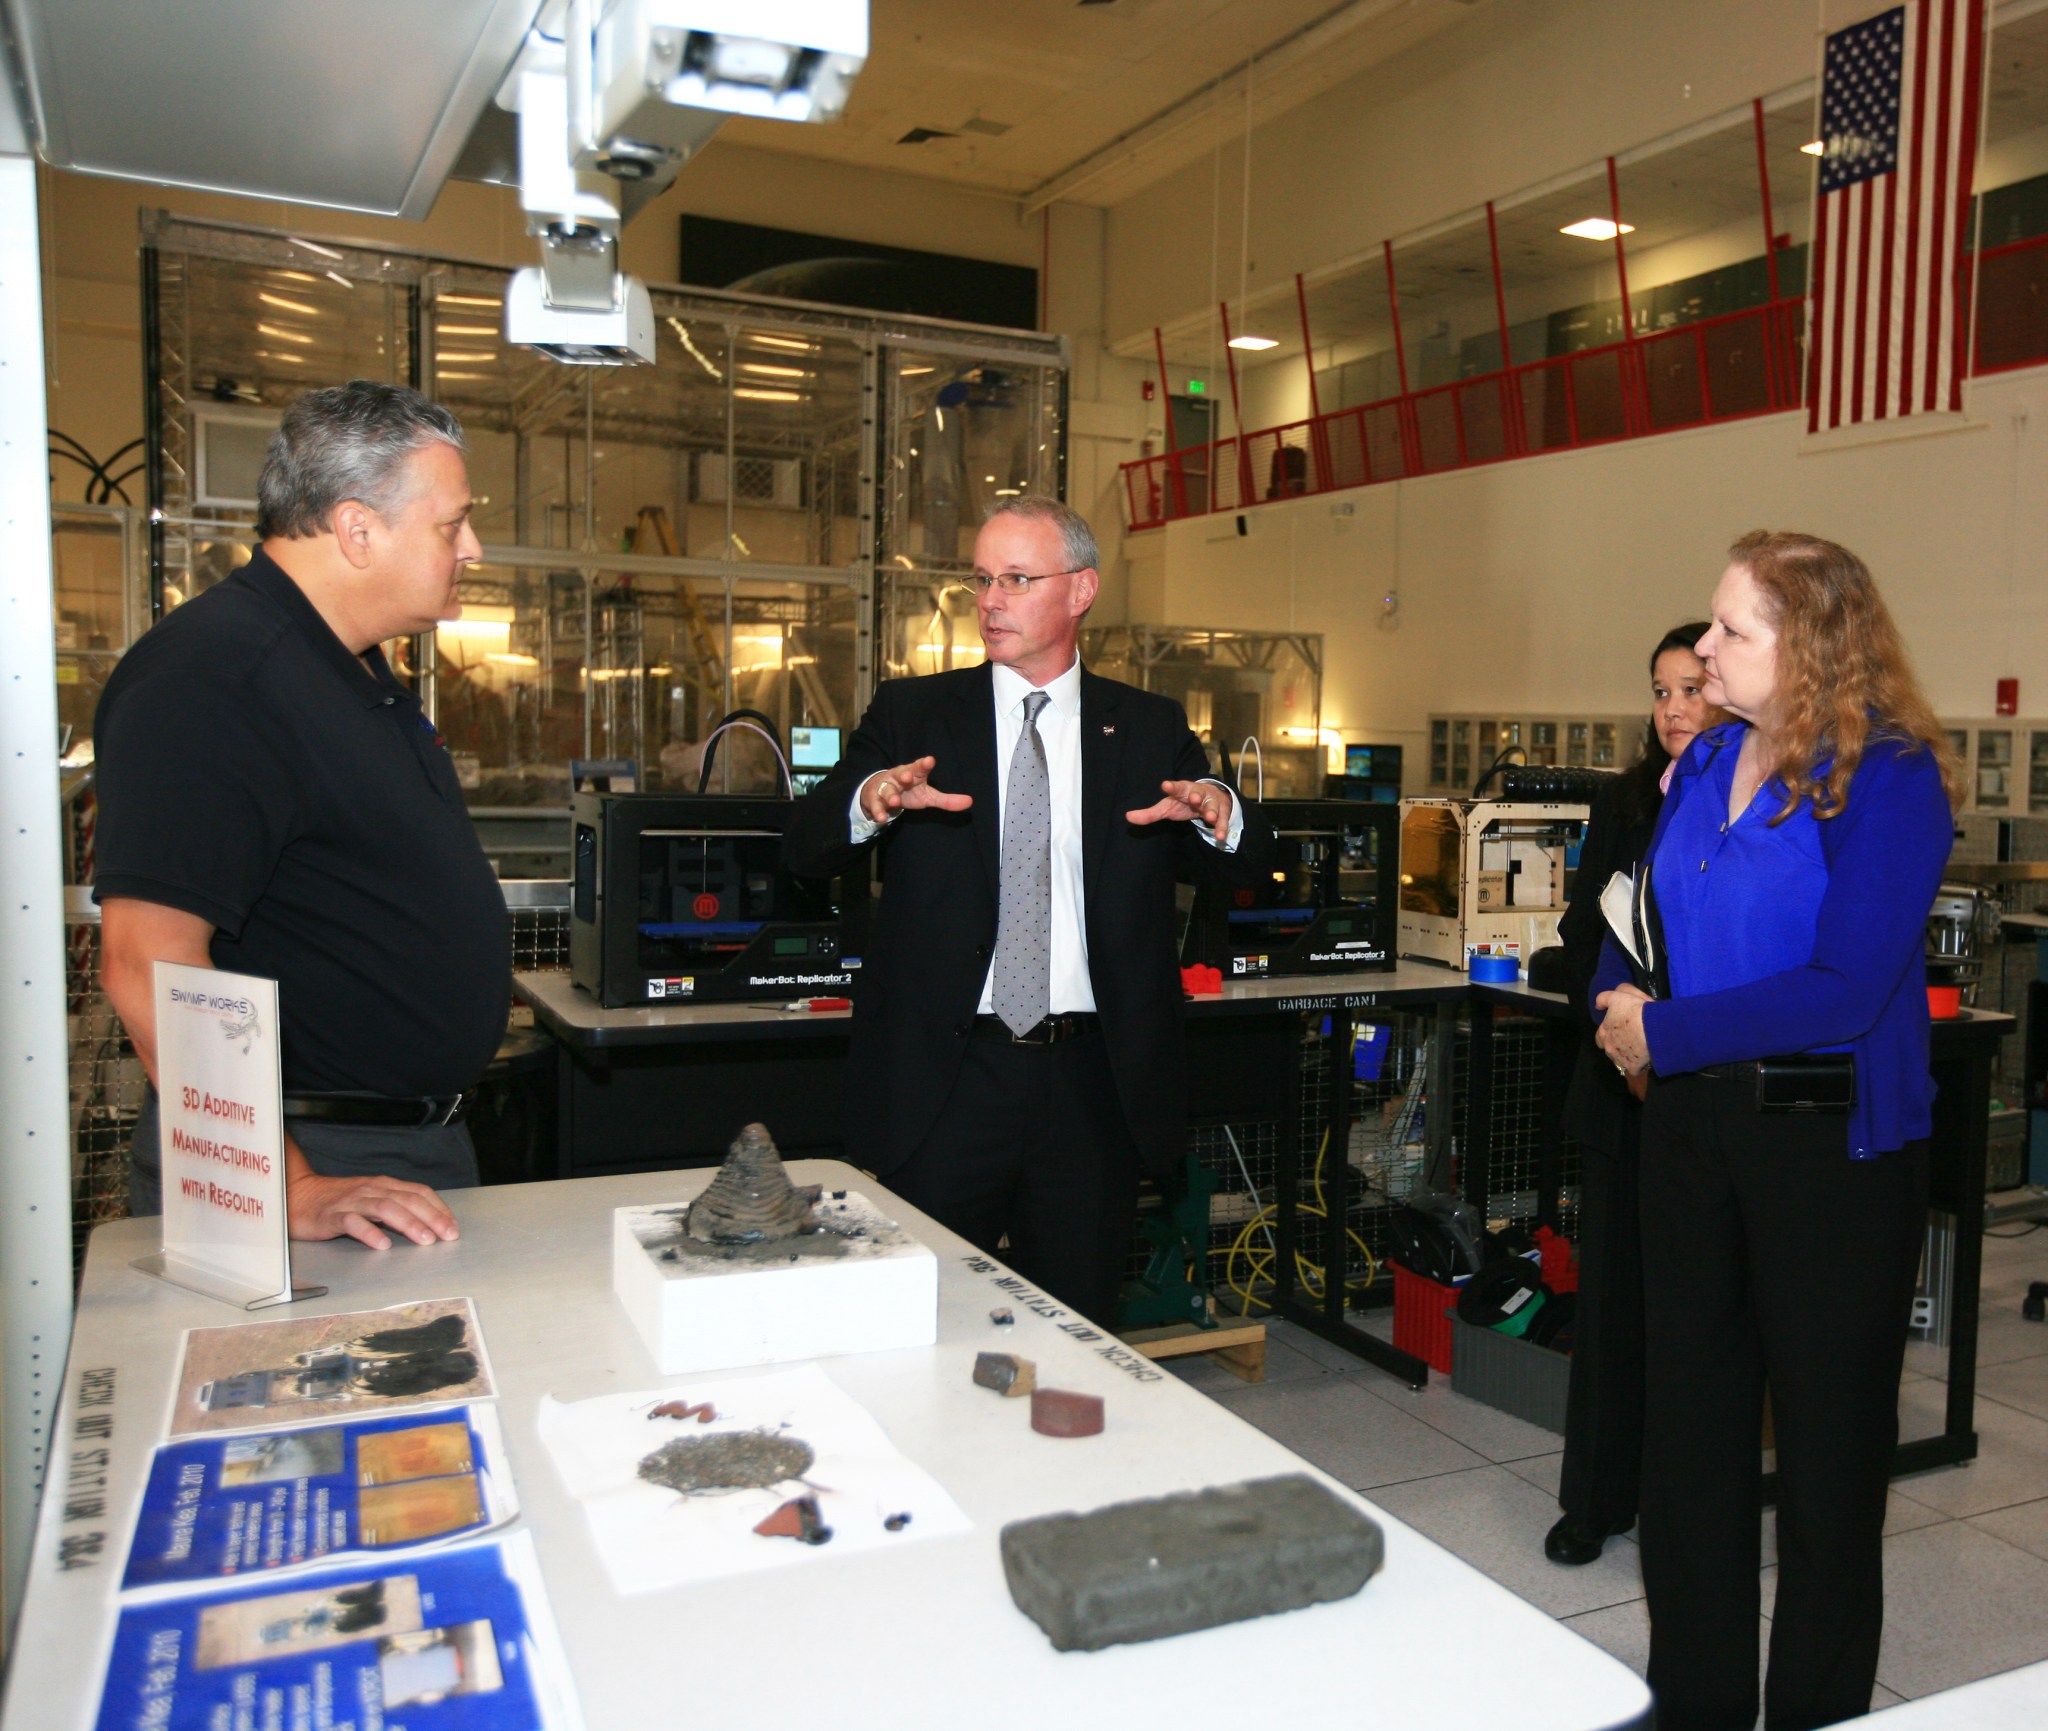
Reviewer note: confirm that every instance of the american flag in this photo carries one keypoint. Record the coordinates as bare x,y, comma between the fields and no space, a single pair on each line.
1899,120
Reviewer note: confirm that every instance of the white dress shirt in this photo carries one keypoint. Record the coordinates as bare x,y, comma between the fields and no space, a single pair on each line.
1059,727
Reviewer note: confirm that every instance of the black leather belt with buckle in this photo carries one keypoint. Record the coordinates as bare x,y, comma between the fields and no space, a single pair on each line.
1067,1025
419,1112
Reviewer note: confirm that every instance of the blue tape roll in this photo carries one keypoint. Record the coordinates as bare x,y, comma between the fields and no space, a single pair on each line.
1495,970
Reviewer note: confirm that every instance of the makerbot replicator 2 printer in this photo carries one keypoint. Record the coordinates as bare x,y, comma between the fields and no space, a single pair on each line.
1485,877
677,897
1329,906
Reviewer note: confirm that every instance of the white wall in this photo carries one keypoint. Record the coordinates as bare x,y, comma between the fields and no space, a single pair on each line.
1541,584
1522,91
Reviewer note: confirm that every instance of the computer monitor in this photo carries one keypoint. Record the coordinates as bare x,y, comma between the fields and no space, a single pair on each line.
813,748
1373,762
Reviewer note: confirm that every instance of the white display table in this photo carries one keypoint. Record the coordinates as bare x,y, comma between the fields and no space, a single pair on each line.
926,1636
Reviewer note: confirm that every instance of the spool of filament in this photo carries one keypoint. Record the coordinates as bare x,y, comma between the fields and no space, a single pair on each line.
1495,970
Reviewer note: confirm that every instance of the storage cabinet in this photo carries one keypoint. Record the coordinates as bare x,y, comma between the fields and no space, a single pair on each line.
2005,764
1461,747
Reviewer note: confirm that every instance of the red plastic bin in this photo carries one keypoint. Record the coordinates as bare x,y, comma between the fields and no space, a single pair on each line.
1422,1318
1560,1261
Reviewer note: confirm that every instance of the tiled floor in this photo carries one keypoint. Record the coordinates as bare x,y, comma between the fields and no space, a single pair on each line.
1966,1548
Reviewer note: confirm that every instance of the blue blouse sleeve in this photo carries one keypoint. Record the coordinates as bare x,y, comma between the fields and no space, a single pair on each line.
1886,851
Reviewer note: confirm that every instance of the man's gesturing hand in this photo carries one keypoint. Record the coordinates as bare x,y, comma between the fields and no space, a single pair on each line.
1204,802
907,787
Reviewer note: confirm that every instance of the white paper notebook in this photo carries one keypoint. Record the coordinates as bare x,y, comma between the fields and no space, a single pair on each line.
1618,904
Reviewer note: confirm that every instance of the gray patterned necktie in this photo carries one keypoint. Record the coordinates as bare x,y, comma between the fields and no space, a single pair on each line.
1021,990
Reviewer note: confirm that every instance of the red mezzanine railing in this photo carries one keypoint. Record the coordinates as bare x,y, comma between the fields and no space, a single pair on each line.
1720,369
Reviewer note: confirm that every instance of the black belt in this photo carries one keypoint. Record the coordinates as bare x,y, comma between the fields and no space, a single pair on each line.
1742,1072
418,1112
1067,1025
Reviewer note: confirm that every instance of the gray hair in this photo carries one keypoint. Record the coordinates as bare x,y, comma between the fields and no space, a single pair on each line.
1077,540
345,442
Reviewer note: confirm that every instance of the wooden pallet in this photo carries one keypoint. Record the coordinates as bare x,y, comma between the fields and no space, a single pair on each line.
1238,1344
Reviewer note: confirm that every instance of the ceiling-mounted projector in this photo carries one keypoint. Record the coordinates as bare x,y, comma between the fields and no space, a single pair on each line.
613,97
621,335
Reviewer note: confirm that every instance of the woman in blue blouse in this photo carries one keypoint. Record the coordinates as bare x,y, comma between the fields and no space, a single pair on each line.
1792,867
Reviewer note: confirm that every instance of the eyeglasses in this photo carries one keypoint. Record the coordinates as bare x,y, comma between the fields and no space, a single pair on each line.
1016,582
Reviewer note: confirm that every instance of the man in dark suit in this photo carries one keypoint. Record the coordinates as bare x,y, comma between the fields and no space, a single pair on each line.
1017,1047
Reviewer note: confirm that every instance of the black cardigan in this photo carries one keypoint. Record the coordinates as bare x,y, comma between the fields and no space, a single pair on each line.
1617,837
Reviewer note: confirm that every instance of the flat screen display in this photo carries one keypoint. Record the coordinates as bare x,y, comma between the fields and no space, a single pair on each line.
813,747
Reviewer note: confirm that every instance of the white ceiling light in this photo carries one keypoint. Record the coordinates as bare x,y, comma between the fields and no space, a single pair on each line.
1255,342
1813,147
1597,228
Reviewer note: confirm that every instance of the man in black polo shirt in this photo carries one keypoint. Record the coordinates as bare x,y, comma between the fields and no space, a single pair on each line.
273,801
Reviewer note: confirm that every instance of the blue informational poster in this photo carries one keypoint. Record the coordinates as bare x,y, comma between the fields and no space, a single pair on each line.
223,1506
449,1640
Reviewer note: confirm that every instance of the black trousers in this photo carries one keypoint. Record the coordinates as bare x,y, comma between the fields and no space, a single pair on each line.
1603,1423
1769,1256
1031,1145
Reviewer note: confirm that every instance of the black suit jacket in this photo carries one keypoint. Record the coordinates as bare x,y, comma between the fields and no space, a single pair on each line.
920,981
1598,1103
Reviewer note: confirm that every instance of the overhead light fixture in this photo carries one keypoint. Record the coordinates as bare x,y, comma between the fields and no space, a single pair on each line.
462,360
284,336
466,330
1255,342
771,340
314,246
761,394
769,372
441,378
917,372
273,355
510,658
1813,147
489,630
1597,228
336,276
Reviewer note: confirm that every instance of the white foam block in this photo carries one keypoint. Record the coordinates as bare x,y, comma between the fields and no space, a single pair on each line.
863,1284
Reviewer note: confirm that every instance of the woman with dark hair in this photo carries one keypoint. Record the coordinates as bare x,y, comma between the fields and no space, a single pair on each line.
1784,1142
1603,1429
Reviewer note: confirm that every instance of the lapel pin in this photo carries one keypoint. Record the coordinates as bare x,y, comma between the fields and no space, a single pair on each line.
1107,727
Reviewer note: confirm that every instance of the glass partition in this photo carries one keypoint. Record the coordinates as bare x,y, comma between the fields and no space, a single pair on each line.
663,544
964,434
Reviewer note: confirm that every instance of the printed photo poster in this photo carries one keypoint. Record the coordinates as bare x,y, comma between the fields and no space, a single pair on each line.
453,1640
314,1370
225,1506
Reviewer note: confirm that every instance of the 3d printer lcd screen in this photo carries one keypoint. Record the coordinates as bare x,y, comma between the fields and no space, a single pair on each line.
813,747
